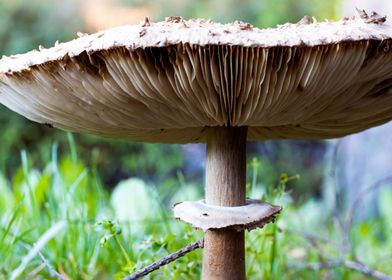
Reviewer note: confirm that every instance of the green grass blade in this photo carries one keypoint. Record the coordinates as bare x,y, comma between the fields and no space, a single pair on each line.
12,220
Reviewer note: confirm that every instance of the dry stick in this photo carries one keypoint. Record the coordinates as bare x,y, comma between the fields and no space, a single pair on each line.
351,265
43,259
50,267
357,200
41,242
357,266
166,260
315,241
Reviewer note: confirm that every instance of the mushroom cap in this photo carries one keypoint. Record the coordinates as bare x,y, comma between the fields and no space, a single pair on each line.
165,82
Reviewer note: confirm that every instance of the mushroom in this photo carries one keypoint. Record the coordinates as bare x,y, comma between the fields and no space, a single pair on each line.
188,81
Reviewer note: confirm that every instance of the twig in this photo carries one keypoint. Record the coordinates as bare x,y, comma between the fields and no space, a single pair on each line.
50,267
361,195
45,238
354,206
354,265
45,262
321,265
316,242
313,238
360,267
166,260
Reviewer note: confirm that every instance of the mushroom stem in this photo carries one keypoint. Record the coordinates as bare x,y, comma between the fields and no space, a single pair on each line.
224,253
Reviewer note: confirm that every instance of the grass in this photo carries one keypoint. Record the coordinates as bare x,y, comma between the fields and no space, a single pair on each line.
61,222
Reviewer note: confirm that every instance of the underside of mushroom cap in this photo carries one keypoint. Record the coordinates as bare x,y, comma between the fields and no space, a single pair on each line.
165,82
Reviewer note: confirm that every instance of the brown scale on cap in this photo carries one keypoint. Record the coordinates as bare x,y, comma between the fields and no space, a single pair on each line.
143,32
212,33
146,22
177,19
81,34
174,19
245,25
372,18
305,20
242,25
100,34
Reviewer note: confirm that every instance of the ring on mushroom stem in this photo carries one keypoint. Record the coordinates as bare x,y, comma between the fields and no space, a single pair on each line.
254,214
193,81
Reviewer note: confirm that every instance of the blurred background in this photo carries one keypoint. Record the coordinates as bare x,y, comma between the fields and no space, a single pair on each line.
330,176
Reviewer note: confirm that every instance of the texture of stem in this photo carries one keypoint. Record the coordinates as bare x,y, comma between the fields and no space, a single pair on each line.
224,255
